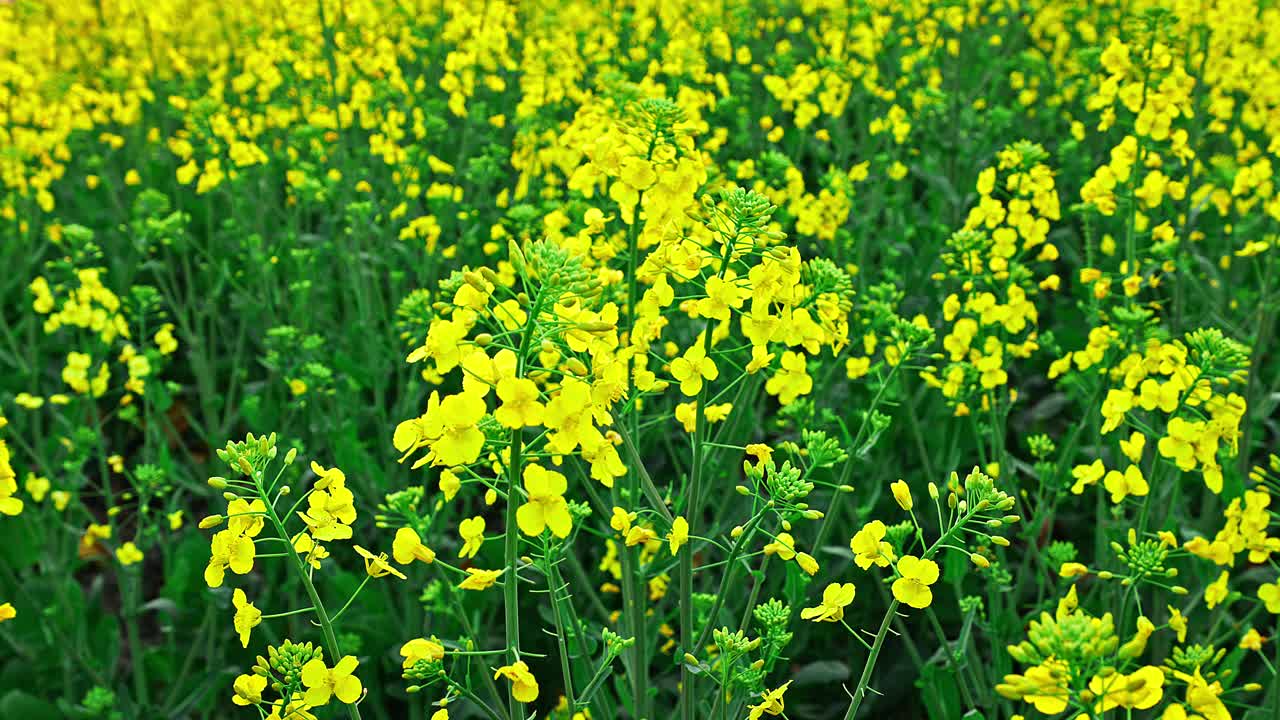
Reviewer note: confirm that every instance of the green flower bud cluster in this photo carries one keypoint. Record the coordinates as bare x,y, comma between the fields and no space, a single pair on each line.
283,664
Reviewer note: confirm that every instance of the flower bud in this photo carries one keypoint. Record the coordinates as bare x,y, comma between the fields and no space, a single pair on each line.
218,483
979,560
212,521
290,456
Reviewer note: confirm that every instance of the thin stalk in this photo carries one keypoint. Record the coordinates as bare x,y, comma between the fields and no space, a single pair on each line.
322,616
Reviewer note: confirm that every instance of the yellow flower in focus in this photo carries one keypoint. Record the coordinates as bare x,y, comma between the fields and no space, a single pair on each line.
869,547
692,368
248,689
679,534
834,600
902,494
546,507
771,703
520,406
247,616
1123,485
324,683
913,587
472,532
408,547
1216,592
228,549
376,565
421,649
524,686
478,579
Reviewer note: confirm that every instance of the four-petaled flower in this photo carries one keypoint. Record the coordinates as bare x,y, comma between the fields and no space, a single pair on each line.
917,575
834,600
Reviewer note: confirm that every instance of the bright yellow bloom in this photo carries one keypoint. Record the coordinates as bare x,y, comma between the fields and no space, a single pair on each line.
1268,593
1123,485
546,507
913,587
472,532
771,703
902,494
408,547
377,565
1217,592
478,579
520,406
247,616
1073,569
834,600
1139,690
248,689
229,550
421,649
869,547
679,534
128,554
324,683
692,368
524,686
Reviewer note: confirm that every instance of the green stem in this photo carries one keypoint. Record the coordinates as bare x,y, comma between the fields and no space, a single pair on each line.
322,616
861,690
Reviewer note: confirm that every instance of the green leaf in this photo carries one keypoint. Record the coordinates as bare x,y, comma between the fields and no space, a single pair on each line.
19,704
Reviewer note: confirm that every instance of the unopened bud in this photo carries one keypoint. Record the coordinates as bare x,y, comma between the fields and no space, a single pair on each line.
218,483
212,521
290,456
